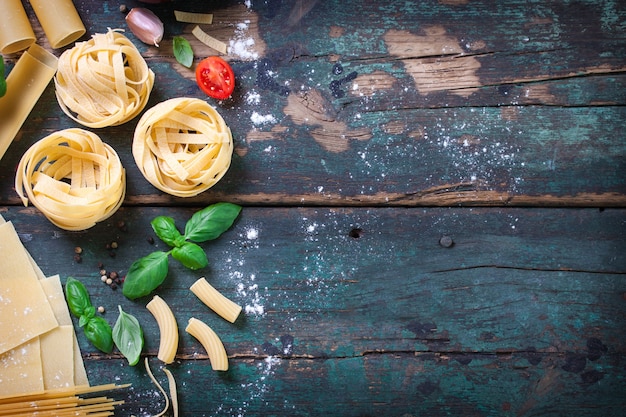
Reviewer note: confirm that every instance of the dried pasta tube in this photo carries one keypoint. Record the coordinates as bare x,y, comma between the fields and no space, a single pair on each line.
26,82
211,343
168,328
16,33
60,21
215,300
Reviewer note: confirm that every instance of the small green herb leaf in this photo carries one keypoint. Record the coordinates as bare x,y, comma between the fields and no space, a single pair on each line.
98,331
145,275
83,320
128,336
182,51
210,222
77,297
166,230
191,255
89,313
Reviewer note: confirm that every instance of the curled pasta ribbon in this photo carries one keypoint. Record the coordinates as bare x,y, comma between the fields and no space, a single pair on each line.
182,146
73,178
103,81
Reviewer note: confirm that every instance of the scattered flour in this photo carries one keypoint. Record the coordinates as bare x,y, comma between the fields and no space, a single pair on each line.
259,119
252,233
250,293
242,45
252,97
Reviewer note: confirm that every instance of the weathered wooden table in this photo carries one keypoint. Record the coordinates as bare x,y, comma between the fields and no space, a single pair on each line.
365,132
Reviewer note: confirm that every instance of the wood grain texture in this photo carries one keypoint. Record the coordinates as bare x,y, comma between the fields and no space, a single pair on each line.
364,134
365,309
429,108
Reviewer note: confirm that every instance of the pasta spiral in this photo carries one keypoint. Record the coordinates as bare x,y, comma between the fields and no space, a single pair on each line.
182,146
103,81
73,178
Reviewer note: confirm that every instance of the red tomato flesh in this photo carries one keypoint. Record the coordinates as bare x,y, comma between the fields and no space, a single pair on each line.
215,77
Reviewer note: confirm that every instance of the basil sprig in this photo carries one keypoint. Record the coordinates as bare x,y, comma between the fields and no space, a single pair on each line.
96,329
147,273
182,51
3,83
128,336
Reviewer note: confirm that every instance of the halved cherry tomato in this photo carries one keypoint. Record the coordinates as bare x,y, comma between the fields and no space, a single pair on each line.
215,77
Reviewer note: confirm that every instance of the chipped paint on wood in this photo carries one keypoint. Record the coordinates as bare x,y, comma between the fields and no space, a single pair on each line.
435,61
312,110
368,85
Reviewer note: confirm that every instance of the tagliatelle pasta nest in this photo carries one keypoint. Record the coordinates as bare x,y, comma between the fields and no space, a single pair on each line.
73,178
103,81
182,146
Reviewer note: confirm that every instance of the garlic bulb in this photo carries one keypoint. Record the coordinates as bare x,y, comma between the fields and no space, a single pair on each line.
145,25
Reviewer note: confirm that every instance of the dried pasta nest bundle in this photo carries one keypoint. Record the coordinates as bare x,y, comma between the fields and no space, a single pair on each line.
103,81
182,146
73,178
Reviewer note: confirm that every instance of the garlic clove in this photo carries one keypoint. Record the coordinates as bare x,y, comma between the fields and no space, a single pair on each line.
145,25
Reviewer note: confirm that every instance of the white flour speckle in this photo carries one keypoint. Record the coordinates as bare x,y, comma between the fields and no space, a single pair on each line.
252,97
259,119
242,45
252,233
252,298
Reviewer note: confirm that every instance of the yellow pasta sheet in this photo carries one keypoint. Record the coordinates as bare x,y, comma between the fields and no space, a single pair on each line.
21,370
24,309
57,359
54,291
52,358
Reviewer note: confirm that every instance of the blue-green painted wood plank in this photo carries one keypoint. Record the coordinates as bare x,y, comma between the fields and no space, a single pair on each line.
517,130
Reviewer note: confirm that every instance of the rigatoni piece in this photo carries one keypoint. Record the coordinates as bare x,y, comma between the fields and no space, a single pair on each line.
215,300
211,343
168,329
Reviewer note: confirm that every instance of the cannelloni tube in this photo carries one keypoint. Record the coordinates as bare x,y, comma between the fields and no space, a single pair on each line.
60,21
16,33
26,82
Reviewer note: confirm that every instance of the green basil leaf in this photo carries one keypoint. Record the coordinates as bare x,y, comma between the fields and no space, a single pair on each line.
190,255
210,222
77,297
99,333
145,275
128,336
182,51
83,320
166,230
89,312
